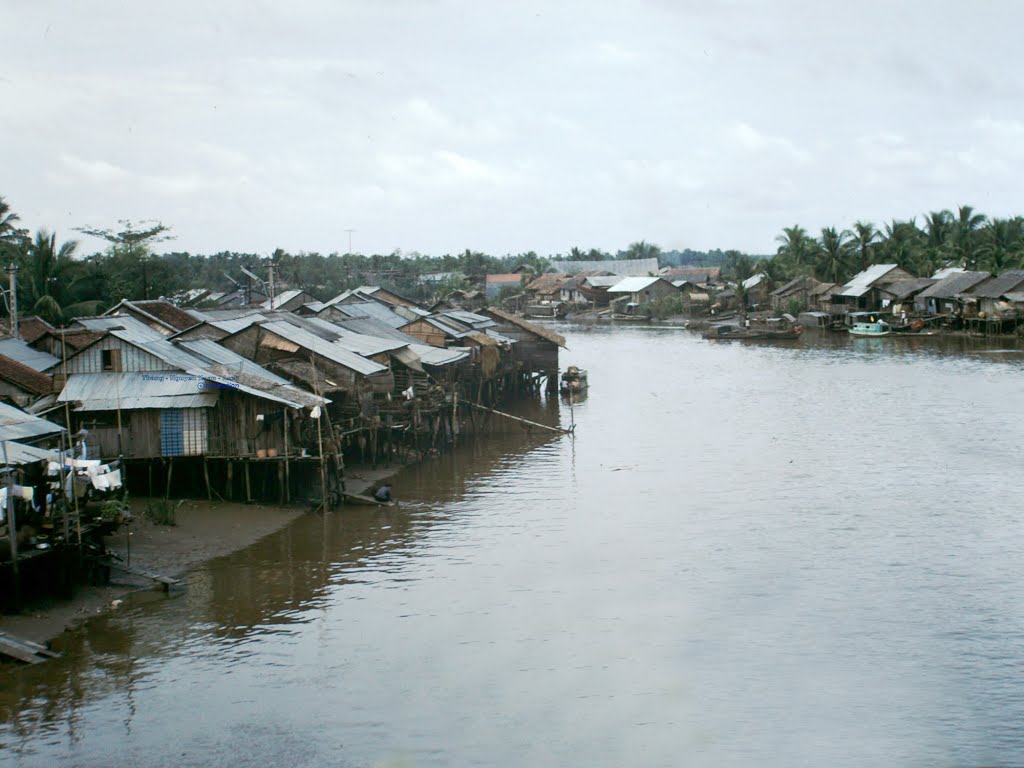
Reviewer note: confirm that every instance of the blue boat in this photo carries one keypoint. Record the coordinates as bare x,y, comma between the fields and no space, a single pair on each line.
870,329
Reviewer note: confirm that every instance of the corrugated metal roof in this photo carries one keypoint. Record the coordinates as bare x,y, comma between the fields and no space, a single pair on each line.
367,345
526,325
754,280
324,348
602,281
633,284
862,282
20,351
954,285
946,272
222,356
15,424
374,310
370,327
439,355
17,454
128,391
1007,282
282,298
452,328
472,319
634,267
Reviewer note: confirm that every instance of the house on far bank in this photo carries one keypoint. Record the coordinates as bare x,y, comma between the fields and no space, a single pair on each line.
798,290
947,296
623,267
863,291
494,283
637,291
992,296
757,290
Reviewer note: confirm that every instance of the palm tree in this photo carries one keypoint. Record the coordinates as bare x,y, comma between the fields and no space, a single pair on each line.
796,251
642,250
10,235
966,227
1002,245
47,269
864,238
833,255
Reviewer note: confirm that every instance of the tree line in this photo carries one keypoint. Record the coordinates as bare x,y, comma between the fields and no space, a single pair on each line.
963,238
57,282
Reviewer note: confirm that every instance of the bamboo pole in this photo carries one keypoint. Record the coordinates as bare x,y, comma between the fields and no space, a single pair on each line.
560,430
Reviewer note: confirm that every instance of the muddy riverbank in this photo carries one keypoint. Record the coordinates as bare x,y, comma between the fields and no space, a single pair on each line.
202,531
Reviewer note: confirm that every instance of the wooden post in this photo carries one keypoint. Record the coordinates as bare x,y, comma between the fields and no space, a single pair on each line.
248,484
280,480
206,477
287,477
170,474
12,535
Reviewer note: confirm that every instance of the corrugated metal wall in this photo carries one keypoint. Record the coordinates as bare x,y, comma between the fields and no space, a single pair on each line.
132,358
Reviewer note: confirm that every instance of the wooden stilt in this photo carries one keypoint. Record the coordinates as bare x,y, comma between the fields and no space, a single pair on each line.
229,487
248,483
170,474
206,477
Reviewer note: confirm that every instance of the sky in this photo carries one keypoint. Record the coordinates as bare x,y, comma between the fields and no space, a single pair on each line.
434,126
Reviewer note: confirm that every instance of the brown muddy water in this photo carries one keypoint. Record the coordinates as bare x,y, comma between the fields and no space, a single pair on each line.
749,555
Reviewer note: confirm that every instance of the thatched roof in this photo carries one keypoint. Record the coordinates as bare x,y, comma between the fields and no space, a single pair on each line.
544,333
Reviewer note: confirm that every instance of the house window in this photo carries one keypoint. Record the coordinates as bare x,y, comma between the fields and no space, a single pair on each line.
111,359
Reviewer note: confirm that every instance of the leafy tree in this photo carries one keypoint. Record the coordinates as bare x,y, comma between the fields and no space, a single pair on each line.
132,248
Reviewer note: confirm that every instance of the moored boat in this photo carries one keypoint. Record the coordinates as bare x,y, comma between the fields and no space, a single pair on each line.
574,381
738,333
870,329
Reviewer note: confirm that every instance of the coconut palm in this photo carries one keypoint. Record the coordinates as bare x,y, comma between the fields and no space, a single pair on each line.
833,255
1001,245
965,228
796,252
48,263
864,237
10,235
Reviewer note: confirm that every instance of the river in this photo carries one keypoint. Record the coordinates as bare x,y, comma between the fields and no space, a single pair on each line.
748,555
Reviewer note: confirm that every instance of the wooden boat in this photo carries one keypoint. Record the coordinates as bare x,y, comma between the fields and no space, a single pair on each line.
367,501
574,382
870,329
738,333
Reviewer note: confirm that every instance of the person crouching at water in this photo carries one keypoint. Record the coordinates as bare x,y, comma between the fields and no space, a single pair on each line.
383,493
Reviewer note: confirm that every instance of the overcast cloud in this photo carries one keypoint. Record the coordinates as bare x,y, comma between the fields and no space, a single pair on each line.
437,125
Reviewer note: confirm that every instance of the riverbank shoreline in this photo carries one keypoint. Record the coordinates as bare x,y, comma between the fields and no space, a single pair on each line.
203,530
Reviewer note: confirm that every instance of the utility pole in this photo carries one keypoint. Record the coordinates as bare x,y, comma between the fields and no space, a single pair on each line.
271,281
350,231
12,271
